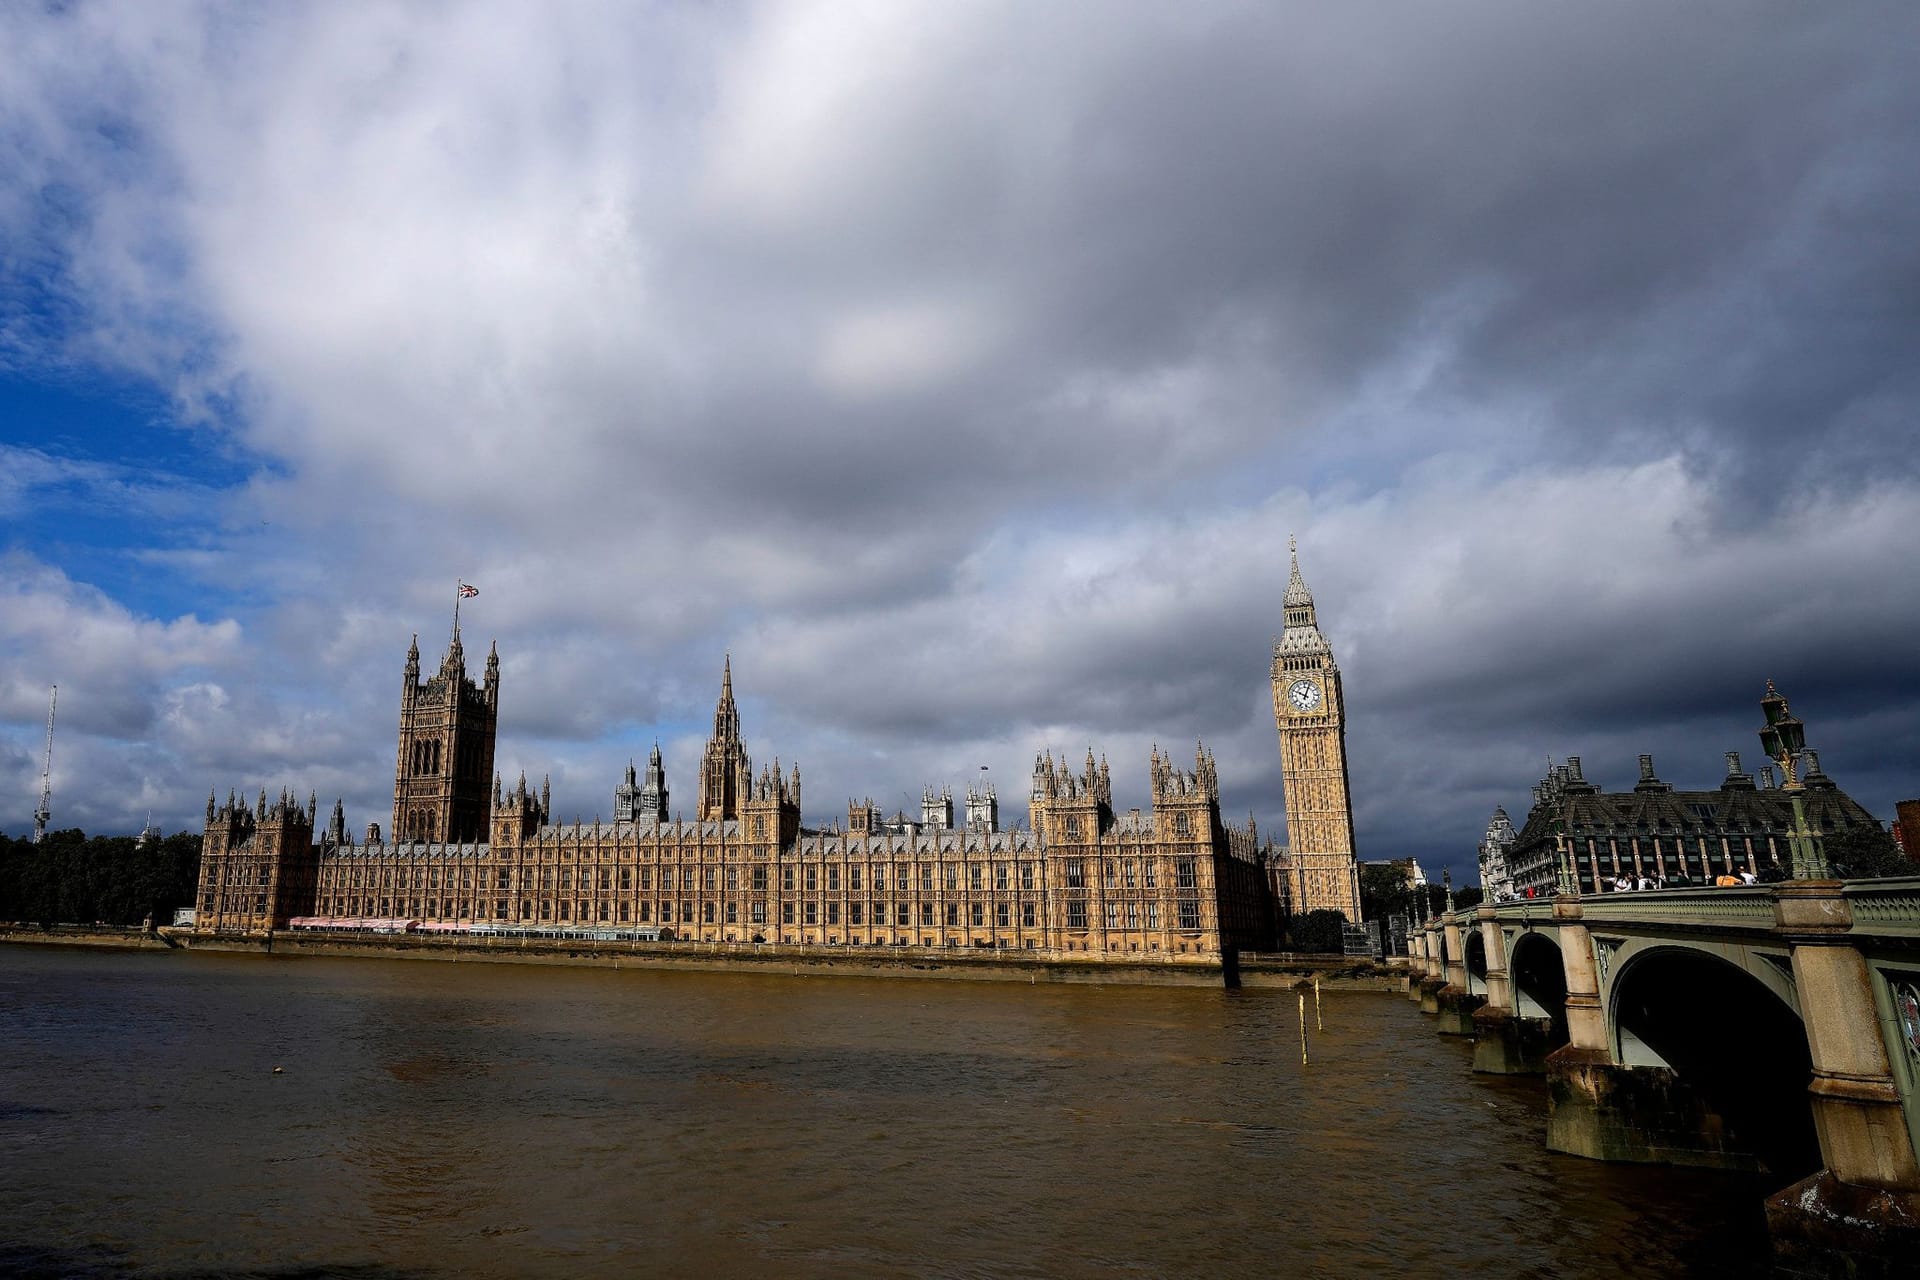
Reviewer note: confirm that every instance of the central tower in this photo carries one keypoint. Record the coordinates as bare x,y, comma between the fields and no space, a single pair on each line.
446,749
725,772
1311,715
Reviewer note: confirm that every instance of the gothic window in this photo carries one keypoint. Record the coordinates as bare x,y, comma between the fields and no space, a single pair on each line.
1073,826
1113,915
853,881
1189,913
1182,823
952,876
1000,914
760,884
1026,875
1076,913
1076,874
953,913
813,879
979,914
1026,915
975,875
1183,872
1150,878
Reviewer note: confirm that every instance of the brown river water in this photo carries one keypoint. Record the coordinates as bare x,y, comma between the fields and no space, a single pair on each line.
490,1120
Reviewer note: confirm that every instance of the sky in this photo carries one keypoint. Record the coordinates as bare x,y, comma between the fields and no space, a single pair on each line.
961,369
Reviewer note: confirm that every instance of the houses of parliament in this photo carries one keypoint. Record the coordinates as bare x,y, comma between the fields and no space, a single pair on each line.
467,853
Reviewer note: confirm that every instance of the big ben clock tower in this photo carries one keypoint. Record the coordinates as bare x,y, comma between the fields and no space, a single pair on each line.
1312,718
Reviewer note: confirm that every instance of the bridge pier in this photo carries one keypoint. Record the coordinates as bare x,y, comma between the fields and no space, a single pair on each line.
1860,1216
1504,1044
1436,979
1455,1002
1417,958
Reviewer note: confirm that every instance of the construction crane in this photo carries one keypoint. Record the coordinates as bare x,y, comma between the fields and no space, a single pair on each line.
45,810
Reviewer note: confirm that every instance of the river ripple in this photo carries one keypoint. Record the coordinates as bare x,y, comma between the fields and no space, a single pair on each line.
490,1120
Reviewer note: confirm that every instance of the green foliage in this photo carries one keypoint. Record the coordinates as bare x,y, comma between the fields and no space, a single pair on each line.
1866,853
71,878
1384,892
1317,931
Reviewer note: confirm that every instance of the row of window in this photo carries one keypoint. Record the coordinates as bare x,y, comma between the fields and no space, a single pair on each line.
1128,915
1126,873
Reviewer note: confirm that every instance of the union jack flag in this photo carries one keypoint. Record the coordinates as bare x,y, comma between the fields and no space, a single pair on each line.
467,592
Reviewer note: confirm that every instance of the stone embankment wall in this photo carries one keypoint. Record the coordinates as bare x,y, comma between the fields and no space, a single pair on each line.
1334,973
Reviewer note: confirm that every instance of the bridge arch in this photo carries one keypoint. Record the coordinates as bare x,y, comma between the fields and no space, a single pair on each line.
1475,948
1537,974
1729,1034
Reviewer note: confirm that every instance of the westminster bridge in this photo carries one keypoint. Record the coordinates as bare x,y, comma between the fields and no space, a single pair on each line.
1773,1028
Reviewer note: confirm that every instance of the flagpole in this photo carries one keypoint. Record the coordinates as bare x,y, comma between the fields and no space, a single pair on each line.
457,584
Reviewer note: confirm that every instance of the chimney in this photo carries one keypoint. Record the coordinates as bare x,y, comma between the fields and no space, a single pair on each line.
1573,768
1733,763
1646,768
1766,778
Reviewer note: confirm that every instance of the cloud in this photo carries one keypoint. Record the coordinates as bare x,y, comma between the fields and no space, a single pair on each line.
963,371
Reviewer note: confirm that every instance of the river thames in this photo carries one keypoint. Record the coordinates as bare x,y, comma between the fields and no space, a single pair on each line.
437,1119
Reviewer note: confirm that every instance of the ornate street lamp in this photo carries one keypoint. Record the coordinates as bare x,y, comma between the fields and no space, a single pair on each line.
1783,737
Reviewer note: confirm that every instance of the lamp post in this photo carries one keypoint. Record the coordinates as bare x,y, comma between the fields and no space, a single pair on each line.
1783,737
1566,878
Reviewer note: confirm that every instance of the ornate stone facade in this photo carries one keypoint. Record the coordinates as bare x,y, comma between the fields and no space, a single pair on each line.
1657,833
1310,713
1172,883
1496,875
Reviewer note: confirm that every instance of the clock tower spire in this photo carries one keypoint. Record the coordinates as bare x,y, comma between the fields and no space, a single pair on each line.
1310,713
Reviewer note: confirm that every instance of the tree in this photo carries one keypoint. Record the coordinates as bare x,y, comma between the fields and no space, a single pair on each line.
1384,890
1866,853
71,878
1321,931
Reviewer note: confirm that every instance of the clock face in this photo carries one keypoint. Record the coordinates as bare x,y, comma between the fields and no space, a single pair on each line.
1304,694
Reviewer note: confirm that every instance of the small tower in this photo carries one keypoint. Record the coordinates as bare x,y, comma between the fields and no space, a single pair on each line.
983,809
633,802
936,808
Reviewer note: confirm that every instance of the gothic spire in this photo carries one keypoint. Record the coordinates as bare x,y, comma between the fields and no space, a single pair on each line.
1297,594
726,716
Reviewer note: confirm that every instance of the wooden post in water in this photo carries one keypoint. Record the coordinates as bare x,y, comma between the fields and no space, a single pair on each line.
1303,1028
1317,1024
